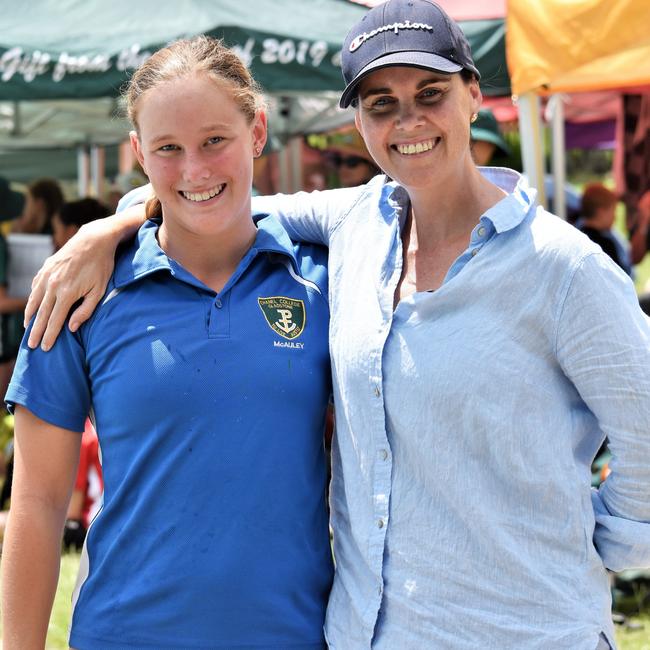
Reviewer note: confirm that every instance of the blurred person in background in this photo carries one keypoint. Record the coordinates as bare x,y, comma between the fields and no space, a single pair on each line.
347,155
596,220
486,138
44,199
12,204
12,207
74,214
640,231
352,168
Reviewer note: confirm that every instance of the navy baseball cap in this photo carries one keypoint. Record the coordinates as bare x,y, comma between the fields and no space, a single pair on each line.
403,32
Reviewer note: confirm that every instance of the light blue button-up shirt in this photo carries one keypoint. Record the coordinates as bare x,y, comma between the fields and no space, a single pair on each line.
467,420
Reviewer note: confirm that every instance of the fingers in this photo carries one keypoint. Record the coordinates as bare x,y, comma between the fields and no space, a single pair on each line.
42,315
85,310
39,286
57,316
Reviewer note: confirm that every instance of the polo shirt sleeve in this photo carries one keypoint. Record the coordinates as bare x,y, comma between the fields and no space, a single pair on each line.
603,345
53,385
309,216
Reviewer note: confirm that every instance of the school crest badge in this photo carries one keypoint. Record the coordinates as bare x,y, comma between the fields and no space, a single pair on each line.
285,316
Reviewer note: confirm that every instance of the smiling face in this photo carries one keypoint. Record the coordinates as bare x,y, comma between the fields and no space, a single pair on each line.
415,123
197,146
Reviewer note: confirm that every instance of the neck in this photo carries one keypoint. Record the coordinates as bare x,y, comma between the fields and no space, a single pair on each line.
448,209
210,259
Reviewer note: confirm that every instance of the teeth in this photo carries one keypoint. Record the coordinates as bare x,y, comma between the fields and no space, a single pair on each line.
420,147
204,196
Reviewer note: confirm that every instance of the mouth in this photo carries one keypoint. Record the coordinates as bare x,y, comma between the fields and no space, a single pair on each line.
413,148
199,197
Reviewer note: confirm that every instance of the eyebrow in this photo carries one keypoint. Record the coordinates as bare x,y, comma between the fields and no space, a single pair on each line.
208,128
421,84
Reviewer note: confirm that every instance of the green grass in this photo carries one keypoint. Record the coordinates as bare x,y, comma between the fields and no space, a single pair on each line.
57,637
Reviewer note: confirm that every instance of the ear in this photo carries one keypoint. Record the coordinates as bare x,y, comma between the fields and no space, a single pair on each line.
476,95
137,148
259,130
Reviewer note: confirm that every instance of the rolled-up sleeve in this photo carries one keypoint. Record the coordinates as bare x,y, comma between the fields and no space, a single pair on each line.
603,346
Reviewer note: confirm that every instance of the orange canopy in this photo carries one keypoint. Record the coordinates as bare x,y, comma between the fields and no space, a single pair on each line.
577,45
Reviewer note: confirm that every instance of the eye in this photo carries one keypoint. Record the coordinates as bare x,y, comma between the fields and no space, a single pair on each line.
380,104
430,94
168,147
215,139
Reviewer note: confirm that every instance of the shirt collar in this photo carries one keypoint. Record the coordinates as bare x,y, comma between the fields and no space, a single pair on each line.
144,255
505,215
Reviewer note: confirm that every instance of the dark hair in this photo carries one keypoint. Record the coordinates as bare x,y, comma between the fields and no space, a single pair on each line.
78,213
186,57
49,191
594,197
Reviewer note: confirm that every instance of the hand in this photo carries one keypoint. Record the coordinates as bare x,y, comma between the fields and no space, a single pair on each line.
80,270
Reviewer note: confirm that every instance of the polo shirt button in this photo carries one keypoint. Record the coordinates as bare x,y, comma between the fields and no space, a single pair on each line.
377,391
481,231
217,303
380,523
474,251
384,454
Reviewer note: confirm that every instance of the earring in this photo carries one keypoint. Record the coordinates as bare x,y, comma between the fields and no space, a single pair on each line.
474,118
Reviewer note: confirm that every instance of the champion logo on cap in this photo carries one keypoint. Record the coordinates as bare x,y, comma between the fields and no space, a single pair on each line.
359,40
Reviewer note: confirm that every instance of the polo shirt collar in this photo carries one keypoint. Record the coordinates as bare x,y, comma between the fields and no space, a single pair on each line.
144,255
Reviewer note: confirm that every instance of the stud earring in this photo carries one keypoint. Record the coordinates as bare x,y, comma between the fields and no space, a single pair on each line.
474,118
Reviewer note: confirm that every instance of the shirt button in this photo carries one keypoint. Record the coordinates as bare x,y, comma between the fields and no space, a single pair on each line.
384,454
474,251
481,231
377,391
380,523
217,302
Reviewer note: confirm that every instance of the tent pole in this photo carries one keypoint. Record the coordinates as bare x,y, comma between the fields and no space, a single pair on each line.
556,107
531,143
295,153
82,170
96,170
283,163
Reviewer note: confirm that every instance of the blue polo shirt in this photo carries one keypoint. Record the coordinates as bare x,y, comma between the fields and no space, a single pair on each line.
210,411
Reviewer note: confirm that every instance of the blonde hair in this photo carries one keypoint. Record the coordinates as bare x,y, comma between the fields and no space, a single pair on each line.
201,54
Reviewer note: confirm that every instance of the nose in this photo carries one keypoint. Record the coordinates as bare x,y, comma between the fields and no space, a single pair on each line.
409,116
196,168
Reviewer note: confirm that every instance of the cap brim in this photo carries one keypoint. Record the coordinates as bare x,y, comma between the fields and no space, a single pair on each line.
415,59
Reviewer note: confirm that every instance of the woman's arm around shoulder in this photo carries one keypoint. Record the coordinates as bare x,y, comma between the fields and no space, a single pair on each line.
45,460
78,272
310,216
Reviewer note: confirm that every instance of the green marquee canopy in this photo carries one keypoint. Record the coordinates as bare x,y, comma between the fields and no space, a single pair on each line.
78,49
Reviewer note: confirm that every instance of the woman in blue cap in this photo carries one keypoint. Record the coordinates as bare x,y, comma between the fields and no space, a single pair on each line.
482,349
